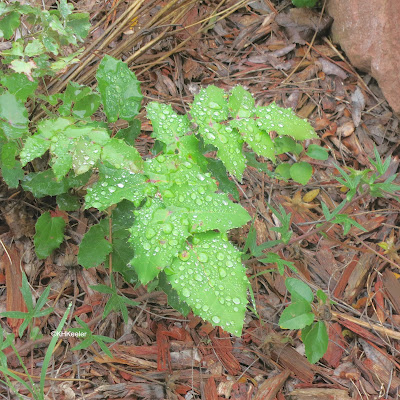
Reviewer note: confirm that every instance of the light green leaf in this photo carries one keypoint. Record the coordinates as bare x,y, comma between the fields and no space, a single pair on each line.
283,170
85,156
315,339
121,155
79,24
296,316
167,124
19,85
301,172
49,234
34,48
205,210
94,248
229,144
317,152
13,116
209,277
35,146
284,121
209,106
119,89
115,185
257,139
241,103
156,236
299,290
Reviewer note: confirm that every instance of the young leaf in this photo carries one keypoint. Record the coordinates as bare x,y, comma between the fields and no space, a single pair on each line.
315,339
94,248
317,152
301,172
49,234
210,278
284,122
167,124
296,316
119,89
299,290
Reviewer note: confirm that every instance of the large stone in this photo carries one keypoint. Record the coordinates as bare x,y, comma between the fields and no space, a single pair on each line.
369,33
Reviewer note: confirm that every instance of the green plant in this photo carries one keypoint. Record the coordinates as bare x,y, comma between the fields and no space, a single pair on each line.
31,387
301,314
305,3
34,311
166,217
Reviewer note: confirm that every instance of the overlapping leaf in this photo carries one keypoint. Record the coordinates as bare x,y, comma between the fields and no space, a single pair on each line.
156,236
115,185
209,277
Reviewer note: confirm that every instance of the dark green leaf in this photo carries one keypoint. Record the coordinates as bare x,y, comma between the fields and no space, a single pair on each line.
44,184
315,338
119,89
94,248
49,234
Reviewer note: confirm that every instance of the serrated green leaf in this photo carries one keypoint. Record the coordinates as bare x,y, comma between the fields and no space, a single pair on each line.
283,121
296,316
229,144
188,148
44,184
121,155
85,156
241,103
317,152
35,146
257,139
13,116
11,168
94,248
49,234
315,339
299,290
167,124
209,106
206,210
156,236
209,277
115,185
79,24
301,172
8,24
19,85
119,89
34,48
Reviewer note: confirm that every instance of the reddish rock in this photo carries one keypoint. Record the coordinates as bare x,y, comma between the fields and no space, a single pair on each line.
369,33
